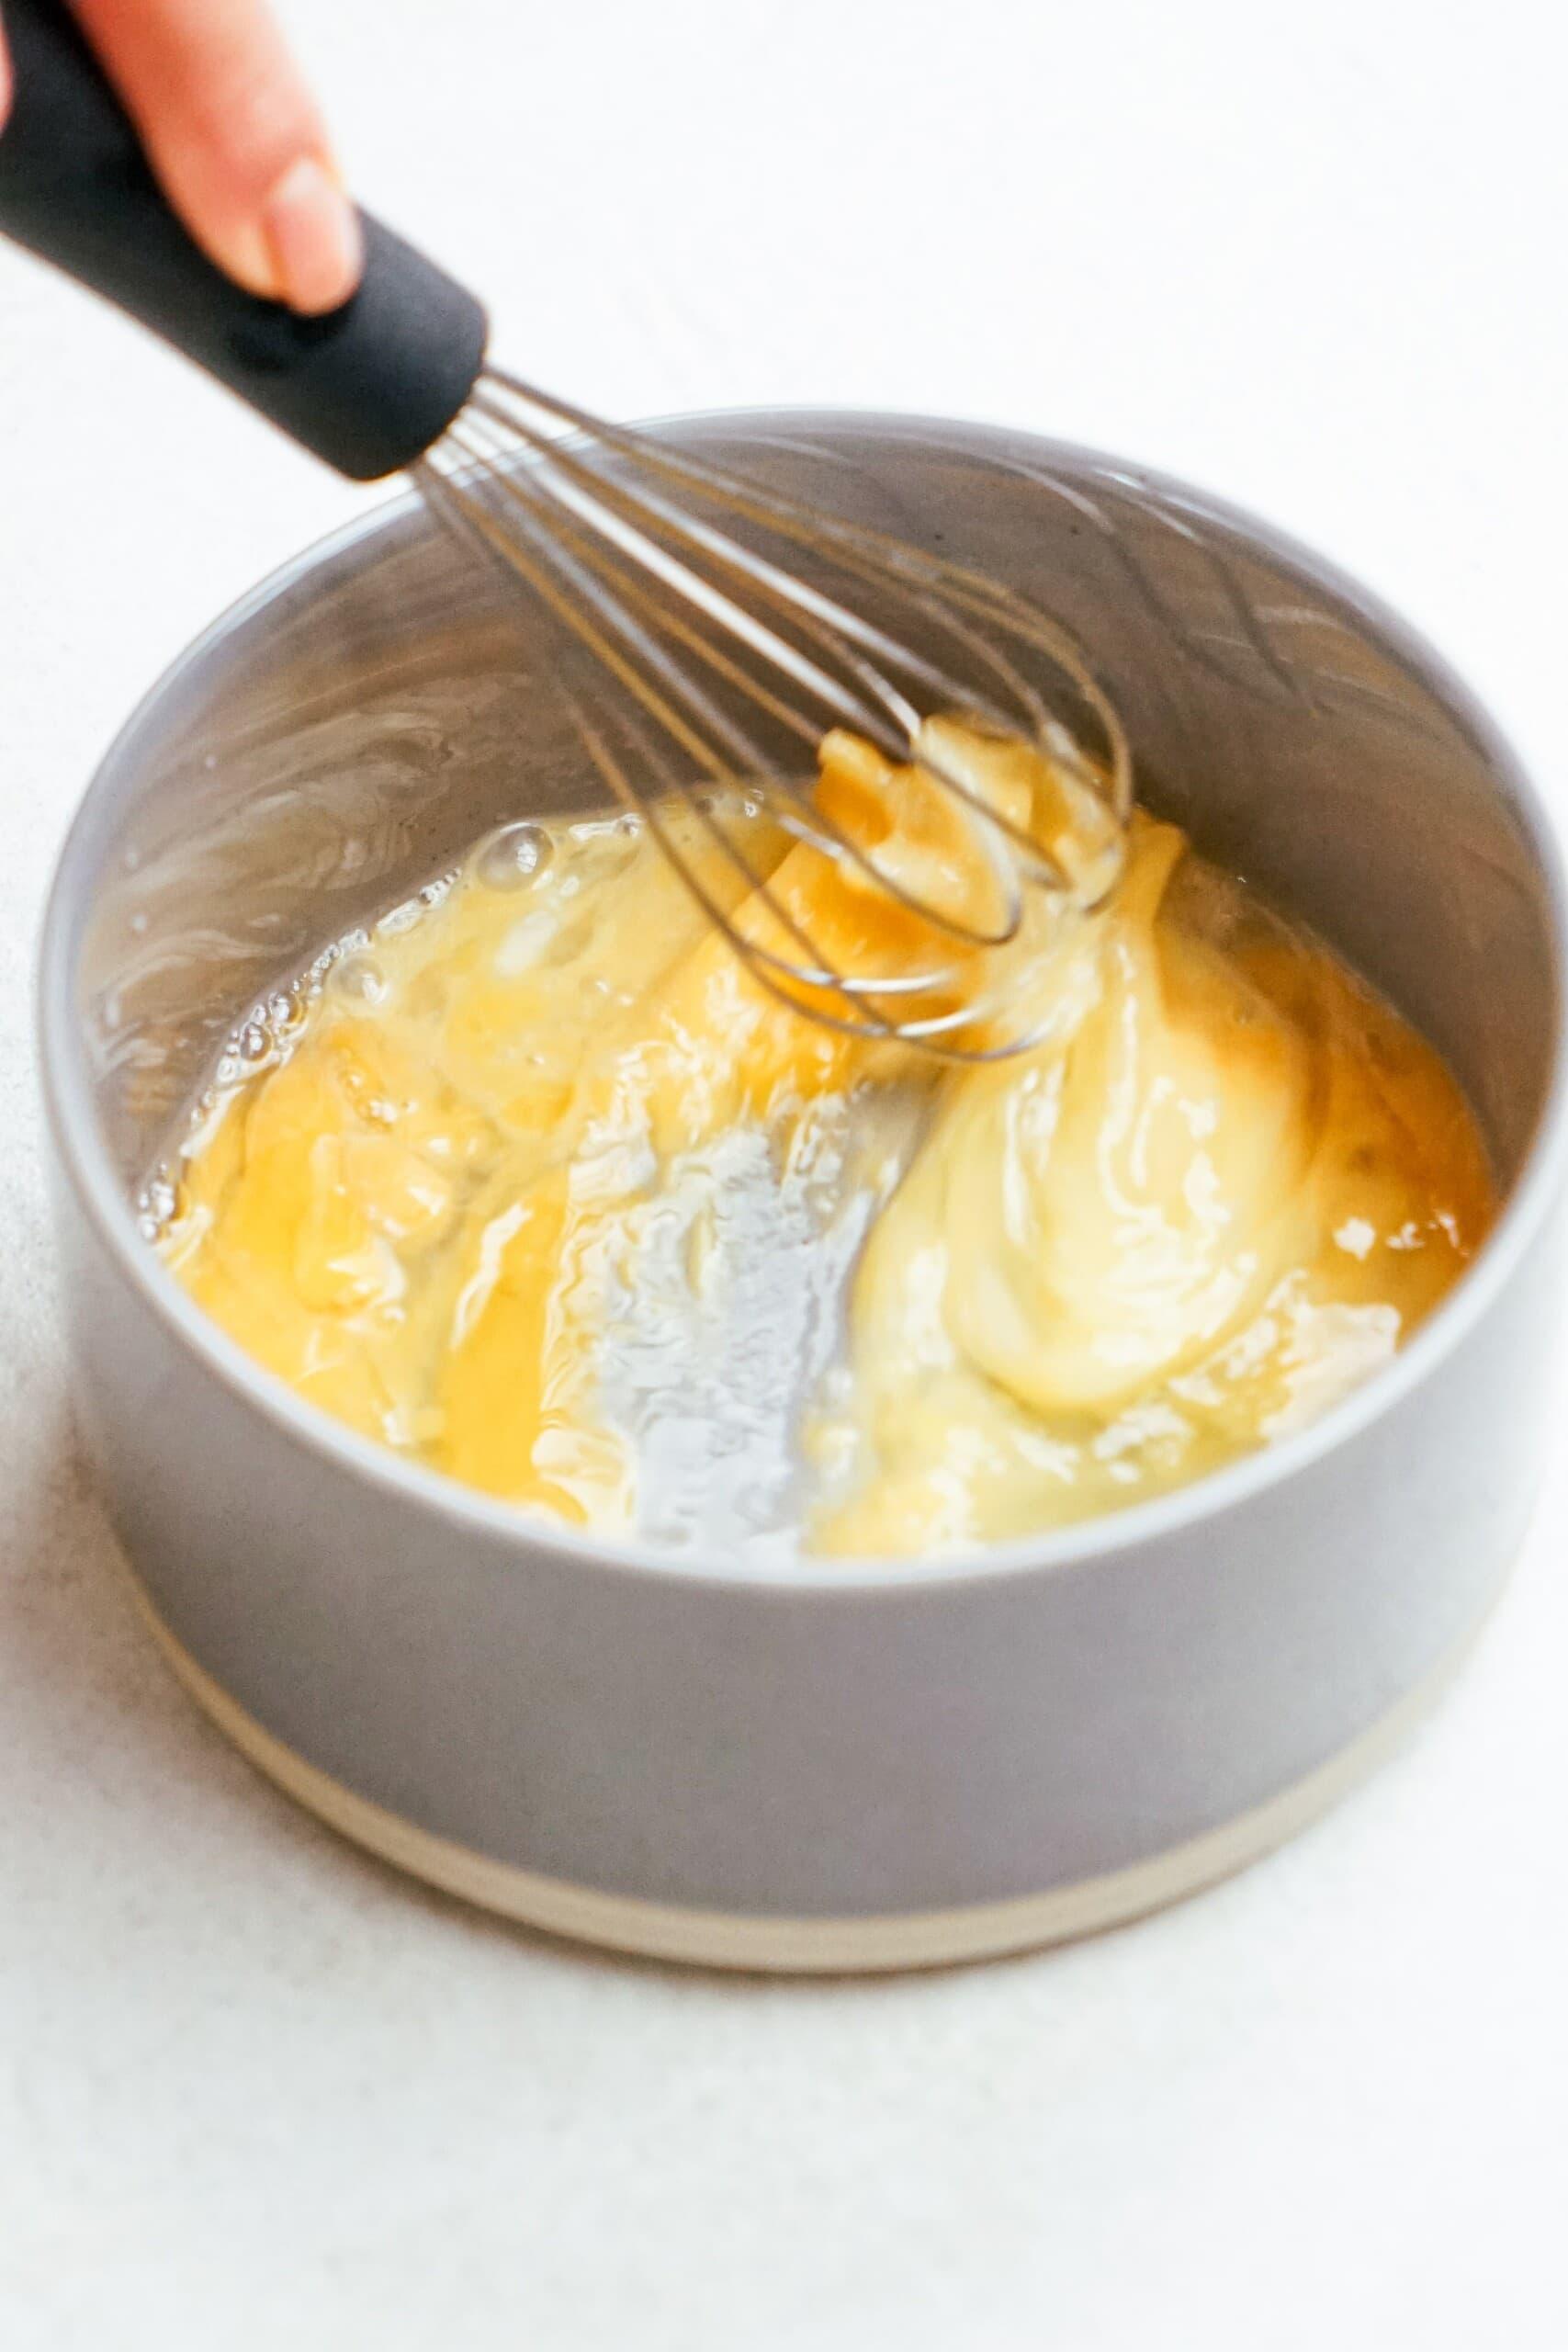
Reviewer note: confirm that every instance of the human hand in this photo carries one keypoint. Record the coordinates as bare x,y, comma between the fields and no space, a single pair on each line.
234,137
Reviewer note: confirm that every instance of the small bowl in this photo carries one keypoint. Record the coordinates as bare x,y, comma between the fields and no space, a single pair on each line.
849,1766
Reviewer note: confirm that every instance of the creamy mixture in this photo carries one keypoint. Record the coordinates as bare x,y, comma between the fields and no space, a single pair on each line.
536,1184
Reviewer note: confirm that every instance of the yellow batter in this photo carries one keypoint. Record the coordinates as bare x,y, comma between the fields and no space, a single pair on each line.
537,1186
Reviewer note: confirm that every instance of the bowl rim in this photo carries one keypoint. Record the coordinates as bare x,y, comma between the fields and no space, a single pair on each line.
99,1191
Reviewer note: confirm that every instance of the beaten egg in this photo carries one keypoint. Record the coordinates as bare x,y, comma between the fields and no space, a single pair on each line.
537,1184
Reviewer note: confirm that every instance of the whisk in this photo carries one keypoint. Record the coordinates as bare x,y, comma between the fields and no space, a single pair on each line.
711,631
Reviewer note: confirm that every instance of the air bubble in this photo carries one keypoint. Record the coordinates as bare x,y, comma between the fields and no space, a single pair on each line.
255,1043
513,856
361,980
228,1070
159,1200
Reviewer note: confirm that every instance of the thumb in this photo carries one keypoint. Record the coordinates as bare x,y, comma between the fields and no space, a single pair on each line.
235,139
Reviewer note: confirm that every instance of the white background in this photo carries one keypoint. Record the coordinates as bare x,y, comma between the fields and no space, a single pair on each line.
255,2091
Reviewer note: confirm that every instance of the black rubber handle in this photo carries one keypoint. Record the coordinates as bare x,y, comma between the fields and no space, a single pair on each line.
367,388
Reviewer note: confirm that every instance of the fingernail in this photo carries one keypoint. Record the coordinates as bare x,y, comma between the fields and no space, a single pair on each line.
312,234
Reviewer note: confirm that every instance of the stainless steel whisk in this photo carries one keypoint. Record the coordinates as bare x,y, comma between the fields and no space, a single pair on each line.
727,628
740,627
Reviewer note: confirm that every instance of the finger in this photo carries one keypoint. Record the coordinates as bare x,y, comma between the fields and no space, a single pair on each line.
235,139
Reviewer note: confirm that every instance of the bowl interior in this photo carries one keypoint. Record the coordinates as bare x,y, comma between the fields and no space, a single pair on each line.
354,725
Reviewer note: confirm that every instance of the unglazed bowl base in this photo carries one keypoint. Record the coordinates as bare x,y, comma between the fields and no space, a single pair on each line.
779,1944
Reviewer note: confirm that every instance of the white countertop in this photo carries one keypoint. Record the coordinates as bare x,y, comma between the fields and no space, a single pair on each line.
255,2090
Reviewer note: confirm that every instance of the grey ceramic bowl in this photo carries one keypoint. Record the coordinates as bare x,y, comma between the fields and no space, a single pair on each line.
846,1767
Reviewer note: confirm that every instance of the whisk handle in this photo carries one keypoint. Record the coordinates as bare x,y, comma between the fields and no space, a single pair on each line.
367,388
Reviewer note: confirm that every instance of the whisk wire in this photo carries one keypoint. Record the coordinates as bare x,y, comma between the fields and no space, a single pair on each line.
697,627
874,558
634,613
782,975
869,554
838,625
781,979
